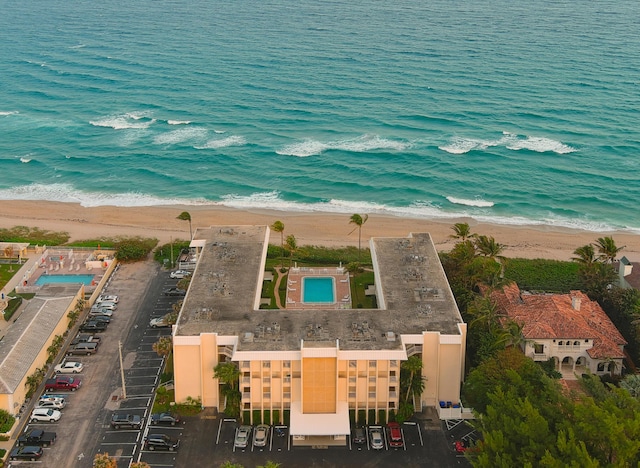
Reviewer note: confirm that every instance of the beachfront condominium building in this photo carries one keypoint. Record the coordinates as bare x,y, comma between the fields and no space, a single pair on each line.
320,355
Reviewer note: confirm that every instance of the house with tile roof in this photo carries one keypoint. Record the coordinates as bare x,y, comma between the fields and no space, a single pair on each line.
569,328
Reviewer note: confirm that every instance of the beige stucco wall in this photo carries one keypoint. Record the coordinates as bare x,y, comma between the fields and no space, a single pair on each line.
319,385
187,370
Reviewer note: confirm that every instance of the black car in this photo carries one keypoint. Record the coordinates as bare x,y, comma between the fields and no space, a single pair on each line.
132,421
160,442
29,452
95,326
85,338
165,418
359,436
174,292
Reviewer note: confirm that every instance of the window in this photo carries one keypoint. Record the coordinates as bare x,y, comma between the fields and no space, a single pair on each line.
373,364
266,364
352,364
560,343
601,367
245,364
576,343
286,364
393,363
538,348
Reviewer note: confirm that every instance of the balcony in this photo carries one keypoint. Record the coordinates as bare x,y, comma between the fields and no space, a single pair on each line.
539,356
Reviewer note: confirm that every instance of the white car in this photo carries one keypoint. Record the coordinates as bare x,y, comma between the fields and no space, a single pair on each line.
45,415
46,397
53,404
159,322
107,298
69,367
179,274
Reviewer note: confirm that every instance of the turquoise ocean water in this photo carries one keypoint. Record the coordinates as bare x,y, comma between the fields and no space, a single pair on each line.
505,111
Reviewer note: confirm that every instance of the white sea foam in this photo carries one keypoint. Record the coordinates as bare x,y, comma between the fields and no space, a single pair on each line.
124,121
356,145
223,142
3,113
476,202
541,145
68,194
25,160
272,201
179,136
79,46
219,131
178,122
461,145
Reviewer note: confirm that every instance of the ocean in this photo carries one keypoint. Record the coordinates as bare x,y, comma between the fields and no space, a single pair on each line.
507,112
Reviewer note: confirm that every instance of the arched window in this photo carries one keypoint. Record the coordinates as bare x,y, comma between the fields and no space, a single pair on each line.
601,367
576,343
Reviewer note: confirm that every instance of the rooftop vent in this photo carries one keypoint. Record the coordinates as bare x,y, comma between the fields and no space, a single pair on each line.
391,336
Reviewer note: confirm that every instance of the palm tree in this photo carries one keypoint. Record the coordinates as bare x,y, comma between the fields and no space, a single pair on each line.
278,226
462,232
607,249
292,246
631,383
413,366
103,460
163,346
585,255
358,221
488,247
228,375
185,216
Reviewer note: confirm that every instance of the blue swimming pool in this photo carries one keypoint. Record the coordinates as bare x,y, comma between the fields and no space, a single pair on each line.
318,289
57,279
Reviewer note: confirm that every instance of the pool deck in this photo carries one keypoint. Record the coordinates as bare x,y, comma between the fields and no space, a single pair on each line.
342,292
44,269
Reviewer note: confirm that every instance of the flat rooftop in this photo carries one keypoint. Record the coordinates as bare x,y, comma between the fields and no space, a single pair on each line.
411,284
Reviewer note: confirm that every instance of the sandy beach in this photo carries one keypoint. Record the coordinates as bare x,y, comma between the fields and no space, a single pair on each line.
327,229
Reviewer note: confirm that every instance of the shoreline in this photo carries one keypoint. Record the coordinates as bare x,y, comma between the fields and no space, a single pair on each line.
309,228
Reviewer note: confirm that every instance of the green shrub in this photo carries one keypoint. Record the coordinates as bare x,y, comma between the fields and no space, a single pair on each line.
266,417
276,416
382,417
6,421
163,252
362,417
23,234
543,275
133,249
257,417
12,306
246,417
372,416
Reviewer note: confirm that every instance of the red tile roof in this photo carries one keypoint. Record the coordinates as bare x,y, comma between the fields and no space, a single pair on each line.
552,316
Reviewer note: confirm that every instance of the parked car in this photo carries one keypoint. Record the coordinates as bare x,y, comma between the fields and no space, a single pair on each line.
48,397
37,437
101,313
54,404
165,418
359,436
62,382
242,437
179,274
174,292
376,437
29,452
106,305
85,338
69,367
45,415
83,348
160,322
94,326
120,420
107,298
260,435
395,435
160,442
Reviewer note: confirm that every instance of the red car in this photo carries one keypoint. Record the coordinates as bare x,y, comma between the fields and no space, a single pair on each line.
395,435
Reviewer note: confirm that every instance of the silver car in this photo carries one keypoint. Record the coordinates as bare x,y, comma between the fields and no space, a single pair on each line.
260,435
375,436
45,415
242,437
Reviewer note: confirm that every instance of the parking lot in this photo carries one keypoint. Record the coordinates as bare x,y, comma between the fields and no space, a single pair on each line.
206,439
84,428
